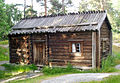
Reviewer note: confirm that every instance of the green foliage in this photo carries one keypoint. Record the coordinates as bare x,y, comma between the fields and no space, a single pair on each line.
57,6
30,13
13,69
4,27
9,15
4,42
4,54
107,66
108,63
111,79
58,70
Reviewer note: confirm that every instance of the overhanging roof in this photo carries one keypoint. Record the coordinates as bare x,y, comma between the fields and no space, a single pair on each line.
91,20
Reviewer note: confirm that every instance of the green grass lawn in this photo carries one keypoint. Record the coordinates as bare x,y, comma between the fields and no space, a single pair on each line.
36,79
4,42
111,79
4,54
14,69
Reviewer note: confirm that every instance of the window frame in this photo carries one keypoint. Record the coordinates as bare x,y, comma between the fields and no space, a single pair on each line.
81,47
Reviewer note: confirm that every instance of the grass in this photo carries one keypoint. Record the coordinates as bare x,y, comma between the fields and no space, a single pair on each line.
13,69
36,79
111,79
4,42
4,54
116,51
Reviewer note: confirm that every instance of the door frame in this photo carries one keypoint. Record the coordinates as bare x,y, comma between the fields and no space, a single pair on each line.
34,52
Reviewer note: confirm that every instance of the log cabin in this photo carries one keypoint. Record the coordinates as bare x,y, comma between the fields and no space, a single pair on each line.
82,39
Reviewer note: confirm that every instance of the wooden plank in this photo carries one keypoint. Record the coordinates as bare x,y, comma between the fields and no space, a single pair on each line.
93,50
71,57
98,49
110,42
64,60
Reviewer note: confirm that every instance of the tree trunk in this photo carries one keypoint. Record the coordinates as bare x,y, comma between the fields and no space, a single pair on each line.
45,1
63,6
31,8
24,7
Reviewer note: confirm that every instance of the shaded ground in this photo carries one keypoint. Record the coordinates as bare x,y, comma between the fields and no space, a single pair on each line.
3,62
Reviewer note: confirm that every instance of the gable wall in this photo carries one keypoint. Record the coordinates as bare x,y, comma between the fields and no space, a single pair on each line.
105,36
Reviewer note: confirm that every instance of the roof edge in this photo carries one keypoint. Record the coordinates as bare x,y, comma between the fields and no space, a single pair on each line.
73,13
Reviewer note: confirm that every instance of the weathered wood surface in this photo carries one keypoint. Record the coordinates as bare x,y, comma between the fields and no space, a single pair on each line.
107,37
93,50
59,46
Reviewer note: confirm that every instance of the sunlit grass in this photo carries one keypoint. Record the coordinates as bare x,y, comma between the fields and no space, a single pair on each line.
4,54
111,79
4,42
13,69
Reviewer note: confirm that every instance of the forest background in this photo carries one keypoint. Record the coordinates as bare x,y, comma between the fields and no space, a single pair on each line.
10,14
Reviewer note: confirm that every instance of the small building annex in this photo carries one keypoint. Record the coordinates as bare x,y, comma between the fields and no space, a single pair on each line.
81,39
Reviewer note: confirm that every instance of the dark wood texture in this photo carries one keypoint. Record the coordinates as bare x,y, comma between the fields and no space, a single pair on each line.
55,49
60,53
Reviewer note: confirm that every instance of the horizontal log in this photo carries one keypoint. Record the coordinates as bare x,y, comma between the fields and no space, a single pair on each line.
66,61
71,57
74,64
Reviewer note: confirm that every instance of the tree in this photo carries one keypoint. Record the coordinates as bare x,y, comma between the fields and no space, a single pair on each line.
4,27
43,4
9,15
14,15
58,7
30,12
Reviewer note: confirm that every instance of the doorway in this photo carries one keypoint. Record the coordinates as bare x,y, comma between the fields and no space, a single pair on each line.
39,53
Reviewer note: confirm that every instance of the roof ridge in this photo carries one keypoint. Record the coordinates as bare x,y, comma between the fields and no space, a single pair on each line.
71,13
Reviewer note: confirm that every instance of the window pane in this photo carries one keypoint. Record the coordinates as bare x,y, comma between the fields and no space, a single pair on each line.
78,47
73,47
78,44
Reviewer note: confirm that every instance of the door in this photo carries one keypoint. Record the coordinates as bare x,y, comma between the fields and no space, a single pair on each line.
39,52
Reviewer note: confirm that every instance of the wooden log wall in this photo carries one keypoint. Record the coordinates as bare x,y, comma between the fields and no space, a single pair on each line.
59,53
20,49
105,39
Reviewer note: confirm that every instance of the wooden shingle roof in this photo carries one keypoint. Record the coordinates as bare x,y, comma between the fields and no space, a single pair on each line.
91,20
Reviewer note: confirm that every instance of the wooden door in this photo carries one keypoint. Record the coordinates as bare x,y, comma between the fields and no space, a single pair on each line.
38,53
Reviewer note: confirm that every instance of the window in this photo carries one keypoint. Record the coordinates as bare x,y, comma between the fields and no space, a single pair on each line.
104,46
76,47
